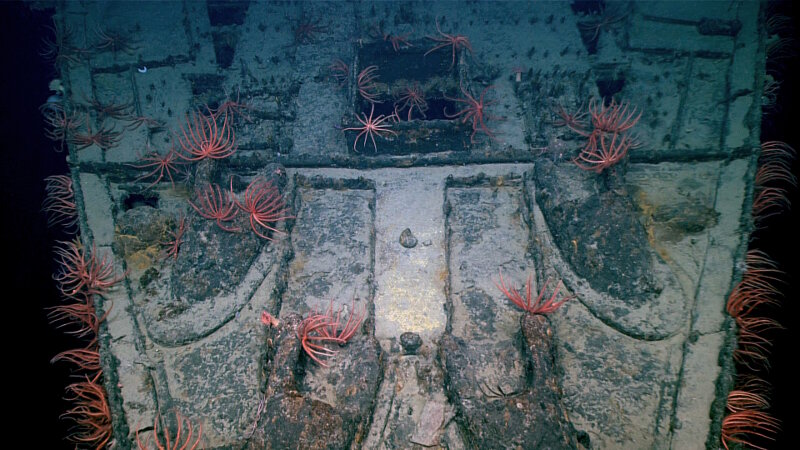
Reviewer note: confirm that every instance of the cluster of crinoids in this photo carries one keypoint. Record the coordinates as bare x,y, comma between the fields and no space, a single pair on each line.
319,330
81,278
206,135
609,138
185,438
210,137
410,99
84,125
752,305
528,304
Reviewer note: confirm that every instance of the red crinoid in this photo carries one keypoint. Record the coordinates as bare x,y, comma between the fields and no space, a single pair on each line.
758,289
87,359
134,122
311,338
758,286
773,178
747,419
342,333
213,204
371,128
609,140
376,31
475,111
59,202
775,171
306,31
449,40
752,345
91,413
60,49
602,151
614,118
604,21
203,137
160,164
398,40
749,294
105,138
573,121
233,108
62,122
119,111
265,206
366,84
178,442
751,422
411,97
317,329
772,150
768,202
340,71
115,42
537,306
81,314
174,246
81,272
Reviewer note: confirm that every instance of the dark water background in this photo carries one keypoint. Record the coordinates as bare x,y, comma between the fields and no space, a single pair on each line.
36,387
